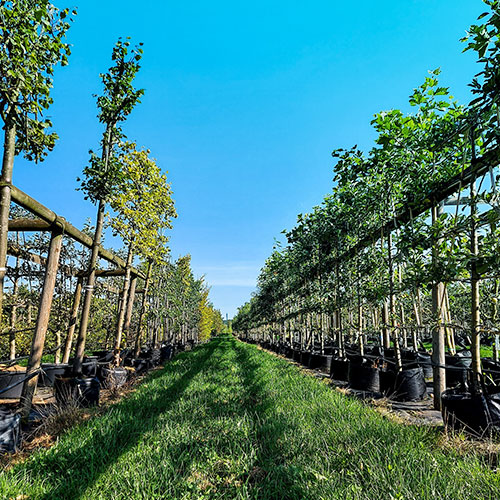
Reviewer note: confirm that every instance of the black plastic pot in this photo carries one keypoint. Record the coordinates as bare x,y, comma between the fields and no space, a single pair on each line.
49,372
296,355
304,358
476,413
114,377
166,353
89,366
387,379
457,369
339,369
8,378
410,385
363,377
141,365
315,360
83,392
424,361
321,362
10,431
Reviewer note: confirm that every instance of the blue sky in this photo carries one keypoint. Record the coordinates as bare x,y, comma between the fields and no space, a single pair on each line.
244,103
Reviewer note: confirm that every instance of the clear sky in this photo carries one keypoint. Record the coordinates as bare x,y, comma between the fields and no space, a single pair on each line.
244,103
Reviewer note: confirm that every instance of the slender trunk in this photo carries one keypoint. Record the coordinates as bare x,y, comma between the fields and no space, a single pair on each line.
9,152
89,291
130,308
37,345
475,292
438,347
138,339
57,354
13,314
123,306
72,321
392,306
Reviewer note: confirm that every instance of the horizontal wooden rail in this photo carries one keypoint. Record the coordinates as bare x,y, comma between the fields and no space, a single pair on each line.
53,221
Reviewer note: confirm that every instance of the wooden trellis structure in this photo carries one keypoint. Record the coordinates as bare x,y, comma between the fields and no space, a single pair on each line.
49,221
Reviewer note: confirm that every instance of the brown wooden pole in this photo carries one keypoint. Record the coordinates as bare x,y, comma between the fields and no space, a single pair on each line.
42,321
36,208
72,320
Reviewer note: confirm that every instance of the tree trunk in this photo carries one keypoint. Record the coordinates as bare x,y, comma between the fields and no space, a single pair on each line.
72,321
123,306
138,339
13,314
392,306
438,335
9,152
89,291
130,308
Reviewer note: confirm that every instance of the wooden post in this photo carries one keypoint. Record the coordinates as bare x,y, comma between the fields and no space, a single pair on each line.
72,321
438,334
41,322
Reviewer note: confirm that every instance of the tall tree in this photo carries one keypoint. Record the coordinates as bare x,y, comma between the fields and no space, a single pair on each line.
32,34
102,177
143,209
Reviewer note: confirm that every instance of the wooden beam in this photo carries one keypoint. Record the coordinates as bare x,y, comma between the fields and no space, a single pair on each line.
36,208
29,225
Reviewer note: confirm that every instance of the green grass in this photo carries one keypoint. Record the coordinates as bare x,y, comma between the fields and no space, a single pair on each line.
486,351
230,421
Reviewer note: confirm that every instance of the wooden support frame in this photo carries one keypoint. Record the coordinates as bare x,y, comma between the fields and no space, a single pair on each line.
42,321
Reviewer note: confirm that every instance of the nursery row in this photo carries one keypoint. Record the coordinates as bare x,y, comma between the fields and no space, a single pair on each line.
61,388
62,294
374,374
404,253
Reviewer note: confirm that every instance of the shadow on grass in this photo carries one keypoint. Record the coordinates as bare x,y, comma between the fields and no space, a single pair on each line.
273,475
72,470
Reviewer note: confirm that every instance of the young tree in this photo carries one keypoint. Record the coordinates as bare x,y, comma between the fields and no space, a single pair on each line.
102,177
32,34
143,209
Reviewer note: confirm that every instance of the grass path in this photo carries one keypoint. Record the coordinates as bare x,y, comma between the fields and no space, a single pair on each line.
230,421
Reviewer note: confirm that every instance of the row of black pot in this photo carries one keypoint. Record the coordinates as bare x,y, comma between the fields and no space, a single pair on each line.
363,373
83,391
96,366
477,413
